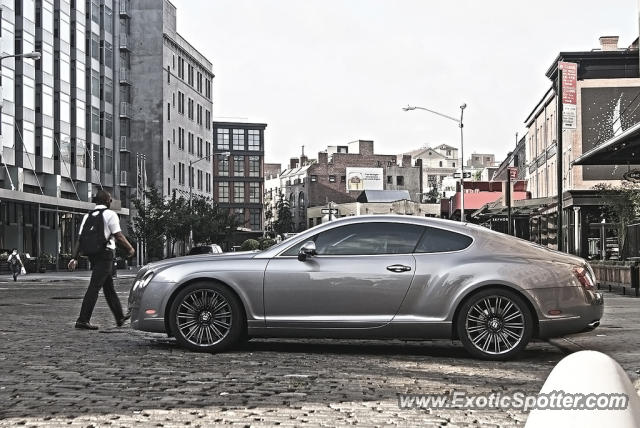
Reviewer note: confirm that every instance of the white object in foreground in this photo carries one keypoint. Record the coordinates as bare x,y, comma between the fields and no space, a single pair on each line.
588,374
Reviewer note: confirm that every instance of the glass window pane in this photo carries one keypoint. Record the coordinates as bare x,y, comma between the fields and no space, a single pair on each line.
47,143
369,239
437,240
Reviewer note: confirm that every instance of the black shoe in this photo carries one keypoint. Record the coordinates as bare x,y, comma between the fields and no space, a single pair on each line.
85,326
122,320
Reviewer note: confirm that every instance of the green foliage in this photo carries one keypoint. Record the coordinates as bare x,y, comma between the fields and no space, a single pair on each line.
266,243
621,206
160,222
250,245
284,223
433,196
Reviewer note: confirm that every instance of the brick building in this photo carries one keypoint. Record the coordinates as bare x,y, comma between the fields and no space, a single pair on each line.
340,175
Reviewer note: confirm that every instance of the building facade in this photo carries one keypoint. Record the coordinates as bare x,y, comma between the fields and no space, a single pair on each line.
238,171
608,90
58,129
165,104
438,163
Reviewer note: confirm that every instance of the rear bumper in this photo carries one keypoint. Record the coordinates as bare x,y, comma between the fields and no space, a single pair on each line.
584,318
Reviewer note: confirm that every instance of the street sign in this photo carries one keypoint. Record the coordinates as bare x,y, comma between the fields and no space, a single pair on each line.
633,176
329,211
467,174
513,172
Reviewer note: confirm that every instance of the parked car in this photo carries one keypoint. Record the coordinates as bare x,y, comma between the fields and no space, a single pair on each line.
373,277
205,249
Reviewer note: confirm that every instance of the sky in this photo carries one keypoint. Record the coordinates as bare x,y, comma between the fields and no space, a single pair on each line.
327,72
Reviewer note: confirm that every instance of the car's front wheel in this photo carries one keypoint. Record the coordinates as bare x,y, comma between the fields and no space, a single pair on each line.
494,324
206,317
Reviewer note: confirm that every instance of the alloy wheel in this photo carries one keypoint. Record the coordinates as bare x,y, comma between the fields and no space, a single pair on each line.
495,325
204,317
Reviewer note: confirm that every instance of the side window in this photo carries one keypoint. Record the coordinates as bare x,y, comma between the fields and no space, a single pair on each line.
437,240
369,239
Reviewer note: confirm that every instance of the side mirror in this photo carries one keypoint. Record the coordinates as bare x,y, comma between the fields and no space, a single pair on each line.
307,250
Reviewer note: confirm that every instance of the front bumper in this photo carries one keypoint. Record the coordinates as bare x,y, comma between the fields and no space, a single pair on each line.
147,306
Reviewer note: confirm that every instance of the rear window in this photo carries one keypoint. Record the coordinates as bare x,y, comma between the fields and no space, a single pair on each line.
436,240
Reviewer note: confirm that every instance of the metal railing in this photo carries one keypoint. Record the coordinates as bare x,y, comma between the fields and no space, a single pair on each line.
123,178
123,143
125,109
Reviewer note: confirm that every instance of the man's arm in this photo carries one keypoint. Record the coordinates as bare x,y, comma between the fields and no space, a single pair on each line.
123,241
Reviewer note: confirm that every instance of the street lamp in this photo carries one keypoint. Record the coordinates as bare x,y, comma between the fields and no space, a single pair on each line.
461,126
35,55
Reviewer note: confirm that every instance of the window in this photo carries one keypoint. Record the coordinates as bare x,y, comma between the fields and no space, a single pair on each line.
199,147
238,192
314,178
95,47
180,138
169,74
254,192
254,139
180,173
223,165
199,82
108,125
180,102
190,177
343,179
208,150
169,112
95,11
190,74
437,240
47,144
365,239
47,100
199,114
400,180
108,20
255,218
199,180
95,120
168,186
95,158
80,153
168,149
207,119
223,191
238,139
108,90
208,183
207,88
332,179
95,83
190,109
190,142
223,139
28,137
238,166
389,179
108,54
254,166
108,161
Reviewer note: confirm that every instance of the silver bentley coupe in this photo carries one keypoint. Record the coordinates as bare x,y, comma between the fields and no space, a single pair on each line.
382,277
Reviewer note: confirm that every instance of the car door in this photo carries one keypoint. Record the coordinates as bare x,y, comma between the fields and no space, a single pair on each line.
358,278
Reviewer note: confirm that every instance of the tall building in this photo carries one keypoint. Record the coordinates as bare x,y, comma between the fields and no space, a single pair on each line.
165,103
607,101
58,128
238,172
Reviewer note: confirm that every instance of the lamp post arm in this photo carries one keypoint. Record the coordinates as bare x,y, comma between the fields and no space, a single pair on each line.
459,121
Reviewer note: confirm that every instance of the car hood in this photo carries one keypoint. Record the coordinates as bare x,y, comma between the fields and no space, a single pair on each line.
167,263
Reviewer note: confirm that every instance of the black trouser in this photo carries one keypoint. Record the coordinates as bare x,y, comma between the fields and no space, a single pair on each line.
101,270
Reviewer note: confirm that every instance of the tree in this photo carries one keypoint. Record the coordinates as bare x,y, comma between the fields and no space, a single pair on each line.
432,196
148,223
178,221
621,206
284,223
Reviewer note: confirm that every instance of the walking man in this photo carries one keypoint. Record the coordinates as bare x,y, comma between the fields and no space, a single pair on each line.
98,232
15,263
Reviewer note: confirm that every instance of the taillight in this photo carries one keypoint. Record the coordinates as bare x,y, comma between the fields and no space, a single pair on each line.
584,277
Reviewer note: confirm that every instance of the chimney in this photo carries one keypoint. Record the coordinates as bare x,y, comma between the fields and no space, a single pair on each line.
304,160
293,163
406,160
609,43
323,158
366,147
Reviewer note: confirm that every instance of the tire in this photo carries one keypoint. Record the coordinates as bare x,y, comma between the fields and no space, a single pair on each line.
494,324
207,317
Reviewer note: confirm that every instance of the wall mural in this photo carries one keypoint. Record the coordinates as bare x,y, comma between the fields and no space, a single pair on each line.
606,113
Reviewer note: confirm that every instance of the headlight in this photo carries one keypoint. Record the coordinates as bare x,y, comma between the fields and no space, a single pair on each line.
144,281
146,278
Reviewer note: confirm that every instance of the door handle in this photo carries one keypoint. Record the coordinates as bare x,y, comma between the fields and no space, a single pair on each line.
399,268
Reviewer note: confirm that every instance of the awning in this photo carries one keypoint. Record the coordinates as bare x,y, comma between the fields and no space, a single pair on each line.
622,149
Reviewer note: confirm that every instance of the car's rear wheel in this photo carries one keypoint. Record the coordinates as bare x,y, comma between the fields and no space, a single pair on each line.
494,324
207,317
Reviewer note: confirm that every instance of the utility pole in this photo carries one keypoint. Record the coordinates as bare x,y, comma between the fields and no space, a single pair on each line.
559,155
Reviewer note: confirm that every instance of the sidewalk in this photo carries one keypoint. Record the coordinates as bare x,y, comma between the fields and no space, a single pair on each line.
65,276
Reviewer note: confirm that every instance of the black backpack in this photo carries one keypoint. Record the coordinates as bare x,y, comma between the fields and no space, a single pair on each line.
92,240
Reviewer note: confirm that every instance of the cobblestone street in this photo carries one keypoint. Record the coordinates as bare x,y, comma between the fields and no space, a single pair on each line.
53,374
